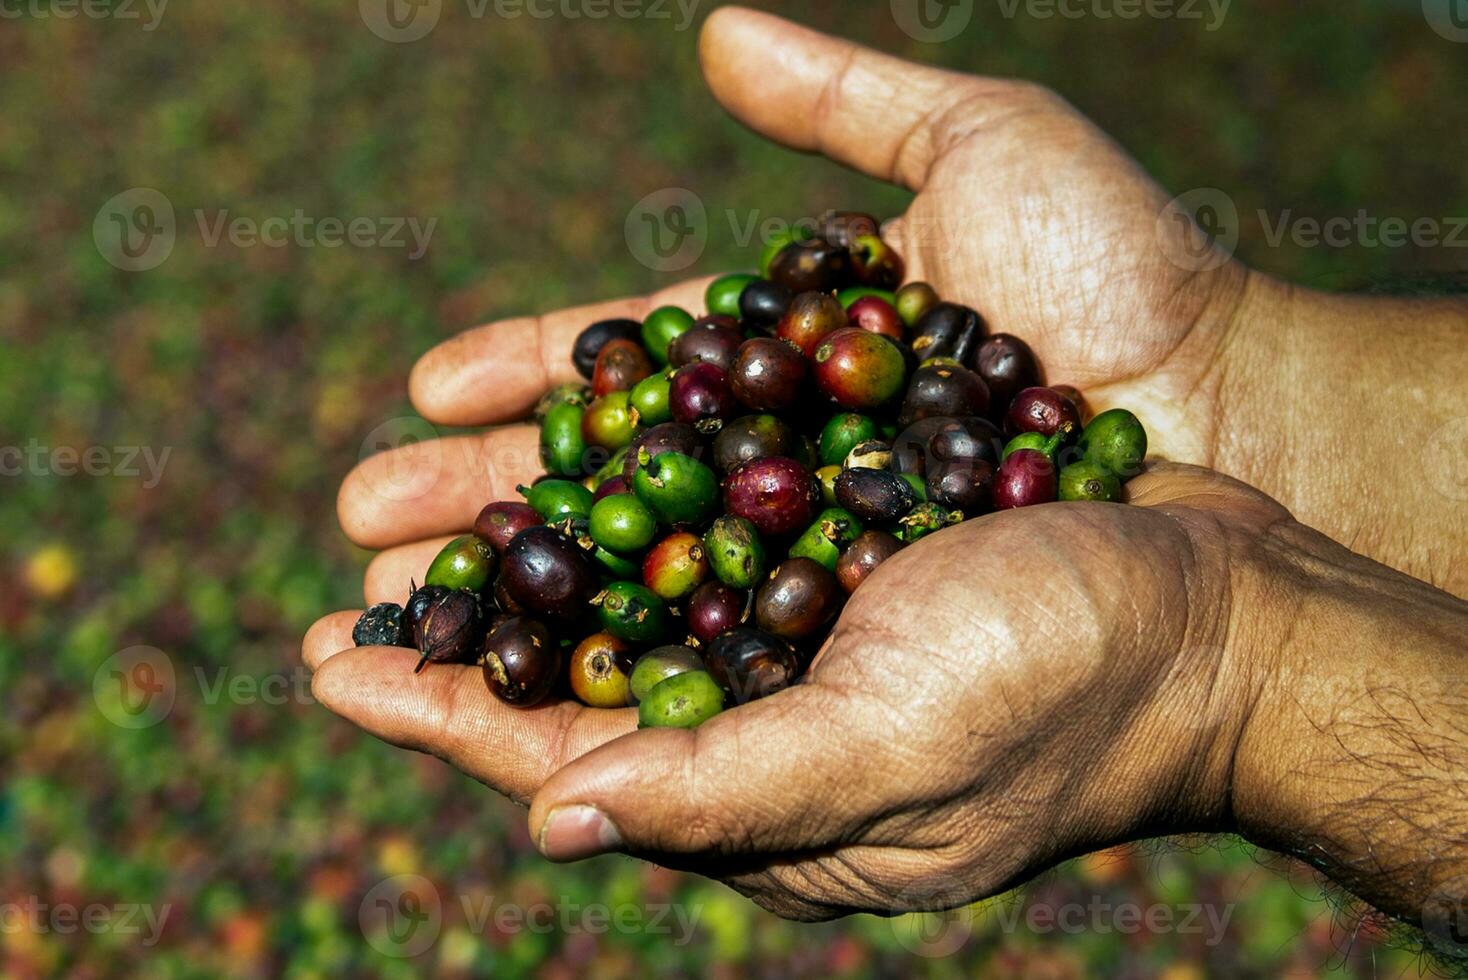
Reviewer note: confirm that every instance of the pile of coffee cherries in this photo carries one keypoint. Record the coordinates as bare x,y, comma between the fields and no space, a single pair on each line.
724,482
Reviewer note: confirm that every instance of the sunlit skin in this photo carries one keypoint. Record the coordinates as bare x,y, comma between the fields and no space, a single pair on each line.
1040,682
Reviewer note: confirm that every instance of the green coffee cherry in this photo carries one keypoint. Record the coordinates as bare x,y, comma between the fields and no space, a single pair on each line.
722,296
1038,441
842,434
1116,441
678,489
1089,480
615,564
556,500
684,700
632,612
562,446
825,539
924,519
657,665
735,552
649,399
660,327
622,522
464,563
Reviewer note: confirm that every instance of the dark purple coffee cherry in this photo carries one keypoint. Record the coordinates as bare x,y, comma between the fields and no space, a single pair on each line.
546,573
814,266
862,557
874,495
751,663
948,330
591,340
943,389
451,630
1026,478
776,494
714,608
1042,410
767,374
798,598
712,339
700,396
1008,366
763,302
521,661
669,437
753,437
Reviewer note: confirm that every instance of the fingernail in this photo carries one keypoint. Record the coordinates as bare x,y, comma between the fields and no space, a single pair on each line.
574,832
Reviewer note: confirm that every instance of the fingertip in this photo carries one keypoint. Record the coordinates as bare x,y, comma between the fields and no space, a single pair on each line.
328,636
391,574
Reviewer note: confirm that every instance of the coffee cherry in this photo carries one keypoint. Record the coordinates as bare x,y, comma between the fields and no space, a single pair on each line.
815,266
1088,480
684,700
562,446
845,228
464,563
862,557
700,396
843,433
556,500
675,566
859,370
632,612
678,489
599,669
660,327
1008,366
876,315
734,551
763,302
1042,410
913,300
948,330
622,522
520,661
876,263
799,597
722,295
874,495
943,390
811,317
649,400
753,437
924,519
500,521
1116,442
451,629
381,626
590,342
607,422
711,340
669,437
833,530
751,663
570,393
713,608
776,494
619,366
660,663
546,573
767,374
1025,478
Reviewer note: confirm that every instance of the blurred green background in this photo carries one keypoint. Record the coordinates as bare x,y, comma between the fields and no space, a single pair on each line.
256,817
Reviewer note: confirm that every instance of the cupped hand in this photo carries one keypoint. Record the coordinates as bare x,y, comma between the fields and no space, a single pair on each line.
1012,691
954,726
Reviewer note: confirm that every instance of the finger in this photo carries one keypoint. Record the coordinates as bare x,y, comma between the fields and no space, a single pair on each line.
328,636
886,117
392,573
495,373
448,711
436,487
769,776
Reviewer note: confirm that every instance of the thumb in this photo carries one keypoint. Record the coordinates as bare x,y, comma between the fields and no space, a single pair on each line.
772,775
886,117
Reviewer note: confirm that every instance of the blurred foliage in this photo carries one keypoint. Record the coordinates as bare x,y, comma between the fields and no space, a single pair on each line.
262,822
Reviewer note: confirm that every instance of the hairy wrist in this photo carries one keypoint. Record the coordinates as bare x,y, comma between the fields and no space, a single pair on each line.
1355,755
